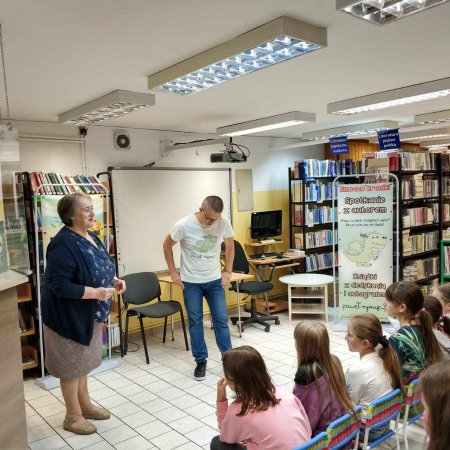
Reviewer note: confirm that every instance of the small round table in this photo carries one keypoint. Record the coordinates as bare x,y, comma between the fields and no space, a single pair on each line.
296,289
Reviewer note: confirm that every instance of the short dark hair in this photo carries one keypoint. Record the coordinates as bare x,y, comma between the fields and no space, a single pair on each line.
68,205
213,203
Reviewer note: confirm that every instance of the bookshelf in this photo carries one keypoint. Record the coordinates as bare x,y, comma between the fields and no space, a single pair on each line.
311,213
36,186
420,227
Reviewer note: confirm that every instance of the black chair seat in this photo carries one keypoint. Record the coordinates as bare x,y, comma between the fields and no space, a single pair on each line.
158,310
255,287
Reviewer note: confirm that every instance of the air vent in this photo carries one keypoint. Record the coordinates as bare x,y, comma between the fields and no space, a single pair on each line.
122,141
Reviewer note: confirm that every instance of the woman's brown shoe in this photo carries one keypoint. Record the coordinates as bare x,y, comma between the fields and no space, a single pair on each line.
79,425
93,412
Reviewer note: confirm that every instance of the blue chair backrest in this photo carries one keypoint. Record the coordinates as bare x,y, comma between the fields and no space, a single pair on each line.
320,442
345,429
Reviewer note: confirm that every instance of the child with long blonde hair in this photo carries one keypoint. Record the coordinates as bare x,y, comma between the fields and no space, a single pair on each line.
265,416
414,342
377,373
319,381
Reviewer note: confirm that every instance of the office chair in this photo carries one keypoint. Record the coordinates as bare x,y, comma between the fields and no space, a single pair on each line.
143,287
252,288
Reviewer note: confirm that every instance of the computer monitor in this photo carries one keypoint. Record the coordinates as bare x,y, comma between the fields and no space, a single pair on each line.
266,224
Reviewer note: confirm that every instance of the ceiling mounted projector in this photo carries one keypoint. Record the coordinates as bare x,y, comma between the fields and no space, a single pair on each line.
228,157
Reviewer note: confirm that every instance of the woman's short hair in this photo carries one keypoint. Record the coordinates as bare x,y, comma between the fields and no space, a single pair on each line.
68,205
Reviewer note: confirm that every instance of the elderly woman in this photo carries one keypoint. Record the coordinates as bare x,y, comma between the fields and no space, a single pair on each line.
79,282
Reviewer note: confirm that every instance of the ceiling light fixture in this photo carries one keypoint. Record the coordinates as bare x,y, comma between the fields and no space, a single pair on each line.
351,130
276,41
268,123
388,99
433,118
381,12
110,106
435,144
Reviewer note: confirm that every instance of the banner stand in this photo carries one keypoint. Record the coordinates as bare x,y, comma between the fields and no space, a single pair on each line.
376,198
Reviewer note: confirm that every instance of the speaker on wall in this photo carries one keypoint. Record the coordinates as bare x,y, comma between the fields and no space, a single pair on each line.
122,140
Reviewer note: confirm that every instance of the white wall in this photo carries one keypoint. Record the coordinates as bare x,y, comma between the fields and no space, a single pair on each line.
269,166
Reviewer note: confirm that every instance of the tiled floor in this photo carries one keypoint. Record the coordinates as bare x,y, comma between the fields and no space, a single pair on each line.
160,405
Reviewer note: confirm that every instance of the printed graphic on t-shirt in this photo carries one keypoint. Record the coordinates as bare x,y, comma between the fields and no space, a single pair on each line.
206,244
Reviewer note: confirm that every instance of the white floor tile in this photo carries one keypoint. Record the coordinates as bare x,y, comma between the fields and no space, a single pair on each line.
132,389
103,445
158,386
36,393
119,434
159,370
153,429
35,421
54,442
136,443
185,382
170,394
102,393
172,376
124,410
155,405
202,436
56,420
43,401
51,410
170,414
95,385
106,425
185,401
142,397
29,411
138,419
186,424
118,382
190,446
114,400
210,398
108,376
211,421
40,432
200,410
78,442
135,373
169,441
148,378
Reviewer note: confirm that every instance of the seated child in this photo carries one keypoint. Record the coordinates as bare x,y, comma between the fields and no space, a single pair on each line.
414,342
263,415
442,293
441,323
319,381
377,372
435,385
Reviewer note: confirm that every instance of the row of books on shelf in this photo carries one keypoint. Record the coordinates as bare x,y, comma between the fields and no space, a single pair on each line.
314,191
316,239
69,183
425,215
445,212
415,187
319,262
429,287
314,215
418,269
445,185
407,160
446,255
419,242
114,332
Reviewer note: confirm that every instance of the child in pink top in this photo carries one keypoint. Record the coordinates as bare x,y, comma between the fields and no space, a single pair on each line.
263,415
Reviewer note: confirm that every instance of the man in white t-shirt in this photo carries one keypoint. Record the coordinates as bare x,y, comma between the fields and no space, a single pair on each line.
200,236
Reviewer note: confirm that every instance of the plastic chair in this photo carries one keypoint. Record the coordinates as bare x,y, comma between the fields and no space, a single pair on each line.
379,413
320,442
252,288
412,399
344,430
143,287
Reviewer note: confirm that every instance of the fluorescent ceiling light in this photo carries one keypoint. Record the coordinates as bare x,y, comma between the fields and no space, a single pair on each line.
110,106
396,97
434,117
381,12
351,130
268,123
276,41
435,144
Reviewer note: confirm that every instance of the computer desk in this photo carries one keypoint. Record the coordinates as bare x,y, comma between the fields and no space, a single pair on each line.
235,278
259,265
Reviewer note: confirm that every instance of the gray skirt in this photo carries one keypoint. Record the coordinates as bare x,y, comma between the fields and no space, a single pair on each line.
66,359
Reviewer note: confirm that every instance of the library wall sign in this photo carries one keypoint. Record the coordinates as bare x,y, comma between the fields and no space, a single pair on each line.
365,247
339,145
389,139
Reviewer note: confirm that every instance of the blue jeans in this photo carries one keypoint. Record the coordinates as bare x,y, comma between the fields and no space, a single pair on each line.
214,293
373,434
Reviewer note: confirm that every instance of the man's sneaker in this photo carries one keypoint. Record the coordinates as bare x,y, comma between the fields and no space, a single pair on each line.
200,371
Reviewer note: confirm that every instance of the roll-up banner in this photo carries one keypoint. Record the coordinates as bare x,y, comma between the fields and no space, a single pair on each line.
365,246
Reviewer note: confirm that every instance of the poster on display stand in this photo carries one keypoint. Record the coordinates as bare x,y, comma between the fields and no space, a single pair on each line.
366,245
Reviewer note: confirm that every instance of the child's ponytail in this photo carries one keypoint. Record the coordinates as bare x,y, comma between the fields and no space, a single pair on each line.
432,347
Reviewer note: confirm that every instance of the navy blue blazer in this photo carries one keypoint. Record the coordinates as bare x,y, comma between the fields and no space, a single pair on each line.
66,275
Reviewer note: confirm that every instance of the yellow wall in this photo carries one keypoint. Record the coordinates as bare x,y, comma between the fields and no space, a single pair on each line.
263,201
